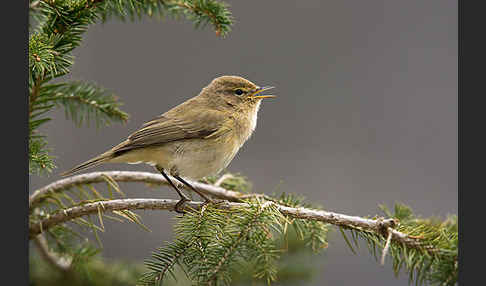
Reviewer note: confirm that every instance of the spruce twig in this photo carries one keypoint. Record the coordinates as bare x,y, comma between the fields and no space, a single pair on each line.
425,248
61,263
342,220
353,222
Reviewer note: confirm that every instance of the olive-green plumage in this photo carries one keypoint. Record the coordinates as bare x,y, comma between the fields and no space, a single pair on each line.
197,138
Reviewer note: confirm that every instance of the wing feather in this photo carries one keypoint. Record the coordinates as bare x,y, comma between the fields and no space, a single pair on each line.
167,128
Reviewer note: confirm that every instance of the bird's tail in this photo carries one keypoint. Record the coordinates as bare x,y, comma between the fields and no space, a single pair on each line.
90,163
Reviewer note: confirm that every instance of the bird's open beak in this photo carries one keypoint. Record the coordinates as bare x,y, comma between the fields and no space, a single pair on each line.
262,89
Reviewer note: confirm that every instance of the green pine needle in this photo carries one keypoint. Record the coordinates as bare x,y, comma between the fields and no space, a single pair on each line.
84,102
212,243
39,160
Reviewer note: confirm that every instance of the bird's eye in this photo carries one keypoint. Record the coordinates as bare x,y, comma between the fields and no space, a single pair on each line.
238,92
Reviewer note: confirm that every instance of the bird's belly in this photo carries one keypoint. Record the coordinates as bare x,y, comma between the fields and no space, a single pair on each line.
193,158
196,159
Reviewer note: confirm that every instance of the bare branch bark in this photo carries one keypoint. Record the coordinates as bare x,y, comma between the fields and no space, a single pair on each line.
61,263
34,4
233,199
378,226
222,179
126,176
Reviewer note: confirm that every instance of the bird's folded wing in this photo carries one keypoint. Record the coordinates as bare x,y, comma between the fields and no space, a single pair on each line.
165,129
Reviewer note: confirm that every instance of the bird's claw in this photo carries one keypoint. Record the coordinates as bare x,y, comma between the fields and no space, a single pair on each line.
178,208
206,202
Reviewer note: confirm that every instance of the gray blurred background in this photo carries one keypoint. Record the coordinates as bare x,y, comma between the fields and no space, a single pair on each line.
366,110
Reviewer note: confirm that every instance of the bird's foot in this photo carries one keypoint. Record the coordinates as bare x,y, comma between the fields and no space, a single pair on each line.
206,202
213,201
179,207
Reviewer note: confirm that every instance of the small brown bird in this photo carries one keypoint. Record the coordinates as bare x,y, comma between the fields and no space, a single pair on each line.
195,139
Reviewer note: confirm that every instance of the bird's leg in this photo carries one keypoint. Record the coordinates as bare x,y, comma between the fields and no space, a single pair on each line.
206,199
183,197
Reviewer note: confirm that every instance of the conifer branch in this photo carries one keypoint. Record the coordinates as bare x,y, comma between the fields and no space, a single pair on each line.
39,159
341,220
378,226
428,249
387,245
34,4
220,21
127,176
83,100
61,263
232,247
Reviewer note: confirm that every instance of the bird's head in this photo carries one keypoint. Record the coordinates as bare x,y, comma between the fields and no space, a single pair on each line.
236,91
